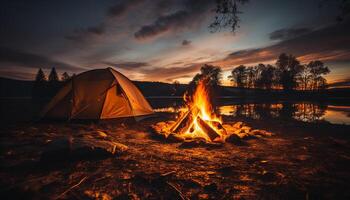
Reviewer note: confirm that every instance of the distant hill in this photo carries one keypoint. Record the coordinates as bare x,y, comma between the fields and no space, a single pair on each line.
15,88
20,88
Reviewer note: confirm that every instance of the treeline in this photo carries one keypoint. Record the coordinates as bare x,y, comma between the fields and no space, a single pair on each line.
287,74
47,86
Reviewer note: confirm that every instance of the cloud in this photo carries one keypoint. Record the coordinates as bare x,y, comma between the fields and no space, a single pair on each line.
30,60
17,75
128,65
83,33
328,44
170,73
122,8
189,14
285,34
162,24
186,42
117,10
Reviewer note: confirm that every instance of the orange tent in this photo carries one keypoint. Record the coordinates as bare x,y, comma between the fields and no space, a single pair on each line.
97,94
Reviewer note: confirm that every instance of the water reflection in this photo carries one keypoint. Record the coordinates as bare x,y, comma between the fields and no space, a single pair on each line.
308,112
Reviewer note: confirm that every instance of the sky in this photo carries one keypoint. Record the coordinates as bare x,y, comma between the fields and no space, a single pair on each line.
167,40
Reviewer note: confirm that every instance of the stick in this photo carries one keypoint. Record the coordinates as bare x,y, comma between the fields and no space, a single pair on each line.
179,192
74,186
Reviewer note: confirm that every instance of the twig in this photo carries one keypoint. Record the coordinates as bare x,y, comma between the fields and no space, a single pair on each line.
69,189
178,191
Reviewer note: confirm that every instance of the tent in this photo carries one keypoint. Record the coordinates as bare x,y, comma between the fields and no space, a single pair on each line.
97,94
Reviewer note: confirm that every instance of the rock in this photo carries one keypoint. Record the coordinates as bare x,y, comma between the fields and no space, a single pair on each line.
267,176
108,147
57,149
258,132
197,142
237,125
65,149
246,129
229,129
234,139
175,138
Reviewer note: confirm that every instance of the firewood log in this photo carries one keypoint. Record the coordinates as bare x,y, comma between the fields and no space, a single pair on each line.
185,120
212,134
219,127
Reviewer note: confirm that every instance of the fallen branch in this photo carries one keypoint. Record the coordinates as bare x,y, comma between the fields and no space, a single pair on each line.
74,186
178,191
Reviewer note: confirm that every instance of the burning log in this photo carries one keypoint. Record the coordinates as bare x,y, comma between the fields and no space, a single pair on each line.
185,120
212,134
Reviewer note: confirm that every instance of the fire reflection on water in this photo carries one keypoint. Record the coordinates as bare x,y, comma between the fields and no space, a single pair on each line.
308,112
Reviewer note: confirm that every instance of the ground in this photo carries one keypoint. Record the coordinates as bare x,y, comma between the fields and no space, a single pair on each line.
301,161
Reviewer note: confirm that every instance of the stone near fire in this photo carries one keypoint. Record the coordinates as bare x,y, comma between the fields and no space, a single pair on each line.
69,148
237,125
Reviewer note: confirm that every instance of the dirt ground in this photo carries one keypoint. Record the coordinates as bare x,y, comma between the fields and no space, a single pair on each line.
301,161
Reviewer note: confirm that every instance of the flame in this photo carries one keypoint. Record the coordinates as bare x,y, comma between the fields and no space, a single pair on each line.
201,101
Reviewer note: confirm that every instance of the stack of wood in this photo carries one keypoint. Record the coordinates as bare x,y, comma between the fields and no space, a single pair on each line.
186,122
228,132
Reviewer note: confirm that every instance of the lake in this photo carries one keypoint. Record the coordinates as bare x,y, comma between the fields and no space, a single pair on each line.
24,109
303,111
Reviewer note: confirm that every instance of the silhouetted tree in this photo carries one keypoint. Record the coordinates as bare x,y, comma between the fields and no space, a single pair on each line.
65,76
213,73
288,70
53,77
175,87
226,15
304,78
266,78
238,76
54,83
227,12
40,76
317,70
252,74
39,87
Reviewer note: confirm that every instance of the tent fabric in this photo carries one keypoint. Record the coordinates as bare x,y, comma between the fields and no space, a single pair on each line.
98,94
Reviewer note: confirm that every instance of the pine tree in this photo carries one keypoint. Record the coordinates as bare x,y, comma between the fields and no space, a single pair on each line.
65,76
39,87
40,76
53,77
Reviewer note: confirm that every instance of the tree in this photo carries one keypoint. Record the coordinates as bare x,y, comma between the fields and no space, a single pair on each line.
316,71
65,77
212,73
304,78
40,85
40,76
175,87
288,71
238,76
227,12
53,77
211,76
266,77
252,76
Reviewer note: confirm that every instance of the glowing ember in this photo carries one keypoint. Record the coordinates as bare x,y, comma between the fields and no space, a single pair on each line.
197,121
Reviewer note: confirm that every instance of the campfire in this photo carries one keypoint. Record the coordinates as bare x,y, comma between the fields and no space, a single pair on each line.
199,122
